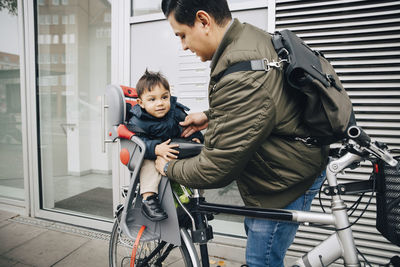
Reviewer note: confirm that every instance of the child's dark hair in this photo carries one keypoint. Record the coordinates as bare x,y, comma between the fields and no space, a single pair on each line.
149,80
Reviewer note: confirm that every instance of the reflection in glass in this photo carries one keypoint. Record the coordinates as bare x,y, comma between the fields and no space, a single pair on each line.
11,164
73,39
144,7
228,195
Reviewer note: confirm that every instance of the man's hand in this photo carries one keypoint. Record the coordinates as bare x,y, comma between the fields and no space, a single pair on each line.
160,163
197,140
194,122
166,151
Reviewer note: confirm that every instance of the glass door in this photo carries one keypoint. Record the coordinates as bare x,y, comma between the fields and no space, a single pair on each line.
11,152
74,60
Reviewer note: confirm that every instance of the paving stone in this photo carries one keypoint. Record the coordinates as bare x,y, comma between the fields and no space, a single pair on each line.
214,262
46,249
4,215
15,234
5,262
92,253
19,264
4,223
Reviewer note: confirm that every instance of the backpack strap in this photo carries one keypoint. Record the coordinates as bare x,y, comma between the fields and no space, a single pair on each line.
279,47
254,65
265,65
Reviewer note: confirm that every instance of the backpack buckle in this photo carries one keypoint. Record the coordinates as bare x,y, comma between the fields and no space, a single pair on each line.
283,53
265,64
308,141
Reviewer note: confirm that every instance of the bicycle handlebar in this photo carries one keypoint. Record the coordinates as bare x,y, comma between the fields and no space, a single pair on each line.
379,150
358,135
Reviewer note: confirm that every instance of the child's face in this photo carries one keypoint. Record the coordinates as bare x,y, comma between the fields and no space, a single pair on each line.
156,102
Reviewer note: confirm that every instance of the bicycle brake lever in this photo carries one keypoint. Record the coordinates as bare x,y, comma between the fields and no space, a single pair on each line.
383,154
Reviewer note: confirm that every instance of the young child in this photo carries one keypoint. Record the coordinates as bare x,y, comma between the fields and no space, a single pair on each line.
157,115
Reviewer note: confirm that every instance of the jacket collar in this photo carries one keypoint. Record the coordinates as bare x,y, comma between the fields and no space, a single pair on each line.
230,35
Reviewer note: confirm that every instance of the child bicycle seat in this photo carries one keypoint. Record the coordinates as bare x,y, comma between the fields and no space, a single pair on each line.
120,99
186,148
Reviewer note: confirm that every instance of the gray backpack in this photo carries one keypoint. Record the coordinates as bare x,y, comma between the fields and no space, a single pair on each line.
328,111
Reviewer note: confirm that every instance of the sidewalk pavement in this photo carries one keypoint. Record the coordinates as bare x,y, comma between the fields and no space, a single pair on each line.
26,241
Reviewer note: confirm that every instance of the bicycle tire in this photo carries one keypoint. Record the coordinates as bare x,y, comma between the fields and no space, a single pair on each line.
120,249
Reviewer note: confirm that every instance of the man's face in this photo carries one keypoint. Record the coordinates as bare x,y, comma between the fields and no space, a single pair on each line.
196,38
156,102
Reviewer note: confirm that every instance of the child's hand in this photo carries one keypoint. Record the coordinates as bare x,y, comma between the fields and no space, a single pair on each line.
197,140
166,151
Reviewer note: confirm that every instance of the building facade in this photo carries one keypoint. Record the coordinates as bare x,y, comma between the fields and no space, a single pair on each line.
57,56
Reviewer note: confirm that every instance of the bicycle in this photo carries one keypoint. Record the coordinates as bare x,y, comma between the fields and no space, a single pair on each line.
168,241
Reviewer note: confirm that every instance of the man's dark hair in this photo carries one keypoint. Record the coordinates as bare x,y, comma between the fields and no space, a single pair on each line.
149,80
185,10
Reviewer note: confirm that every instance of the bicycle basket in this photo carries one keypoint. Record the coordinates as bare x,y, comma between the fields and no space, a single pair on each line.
388,201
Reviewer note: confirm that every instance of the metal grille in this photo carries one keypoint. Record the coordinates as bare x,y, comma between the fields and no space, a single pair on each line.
362,41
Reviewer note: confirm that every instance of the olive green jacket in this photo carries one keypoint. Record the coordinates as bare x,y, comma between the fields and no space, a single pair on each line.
249,115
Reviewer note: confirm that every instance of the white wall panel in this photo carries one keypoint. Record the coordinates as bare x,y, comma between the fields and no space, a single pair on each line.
155,46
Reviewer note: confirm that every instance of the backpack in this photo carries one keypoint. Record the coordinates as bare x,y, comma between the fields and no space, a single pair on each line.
328,111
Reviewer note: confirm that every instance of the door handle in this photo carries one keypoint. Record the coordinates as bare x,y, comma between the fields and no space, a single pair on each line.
104,141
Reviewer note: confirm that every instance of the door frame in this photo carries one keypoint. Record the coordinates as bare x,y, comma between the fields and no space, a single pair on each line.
13,205
30,118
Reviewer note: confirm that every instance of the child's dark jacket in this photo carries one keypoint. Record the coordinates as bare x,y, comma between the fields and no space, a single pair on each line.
154,131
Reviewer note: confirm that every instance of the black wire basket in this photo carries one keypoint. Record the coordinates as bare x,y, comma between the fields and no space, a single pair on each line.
388,201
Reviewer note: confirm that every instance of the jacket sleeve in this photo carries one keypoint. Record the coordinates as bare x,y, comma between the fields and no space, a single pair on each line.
150,147
241,116
181,115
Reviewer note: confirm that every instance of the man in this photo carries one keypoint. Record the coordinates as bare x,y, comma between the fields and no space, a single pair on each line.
251,124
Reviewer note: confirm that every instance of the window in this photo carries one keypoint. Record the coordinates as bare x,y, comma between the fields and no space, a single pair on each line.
55,39
64,20
144,7
72,74
11,150
55,19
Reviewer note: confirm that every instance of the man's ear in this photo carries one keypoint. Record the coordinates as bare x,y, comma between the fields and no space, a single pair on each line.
204,18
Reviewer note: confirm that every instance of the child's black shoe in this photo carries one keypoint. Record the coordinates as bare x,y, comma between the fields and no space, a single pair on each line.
152,210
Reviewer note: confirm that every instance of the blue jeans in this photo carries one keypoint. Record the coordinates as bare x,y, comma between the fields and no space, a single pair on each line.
268,241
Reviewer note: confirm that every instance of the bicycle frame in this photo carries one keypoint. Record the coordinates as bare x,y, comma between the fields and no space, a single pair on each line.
339,244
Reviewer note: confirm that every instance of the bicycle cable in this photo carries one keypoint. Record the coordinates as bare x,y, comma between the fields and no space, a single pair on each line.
353,207
365,259
319,197
344,228
362,213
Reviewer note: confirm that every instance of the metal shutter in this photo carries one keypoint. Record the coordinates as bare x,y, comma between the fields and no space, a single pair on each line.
362,41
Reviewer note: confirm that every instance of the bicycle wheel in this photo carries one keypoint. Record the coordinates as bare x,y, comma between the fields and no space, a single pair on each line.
148,253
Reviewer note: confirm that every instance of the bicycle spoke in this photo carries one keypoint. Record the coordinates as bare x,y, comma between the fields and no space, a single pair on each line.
148,253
